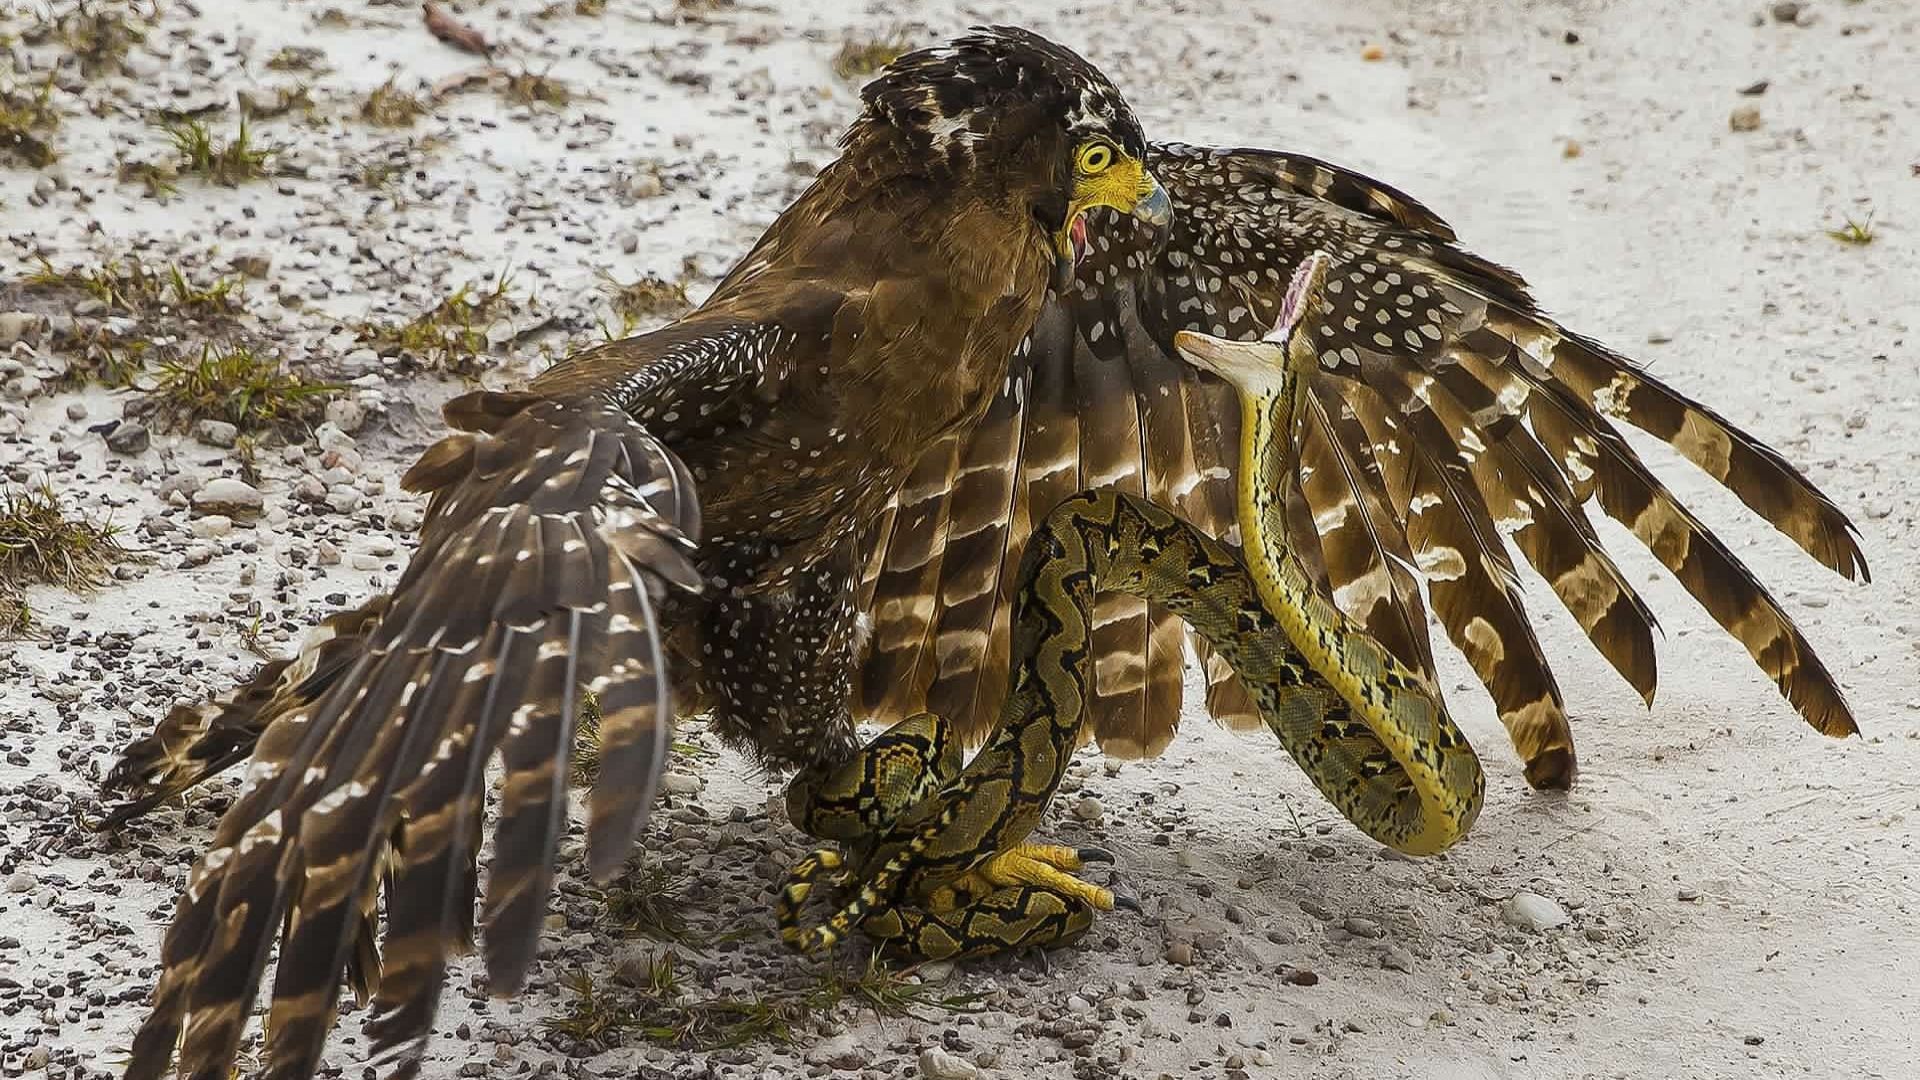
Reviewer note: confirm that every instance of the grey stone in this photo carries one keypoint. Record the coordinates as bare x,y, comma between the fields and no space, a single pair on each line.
253,264
229,497
19,326
346,414
129,437
212,525
216,433
680,784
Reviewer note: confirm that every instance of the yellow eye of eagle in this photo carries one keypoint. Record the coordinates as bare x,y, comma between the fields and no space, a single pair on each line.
1095,158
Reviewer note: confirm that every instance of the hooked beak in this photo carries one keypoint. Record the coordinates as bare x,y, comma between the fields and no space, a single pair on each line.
1154,207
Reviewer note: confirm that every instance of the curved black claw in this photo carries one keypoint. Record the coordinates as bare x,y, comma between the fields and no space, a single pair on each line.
1094,854
1121,900
1039,956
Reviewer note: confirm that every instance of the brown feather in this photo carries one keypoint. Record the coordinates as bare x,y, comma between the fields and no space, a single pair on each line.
194,742
980,520
1631,495
1769,485
1473,584
1405,303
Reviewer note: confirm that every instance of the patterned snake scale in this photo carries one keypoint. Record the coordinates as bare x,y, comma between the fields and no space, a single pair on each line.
1369,732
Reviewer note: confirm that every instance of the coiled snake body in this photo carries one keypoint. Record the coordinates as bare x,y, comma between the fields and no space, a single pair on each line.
938,852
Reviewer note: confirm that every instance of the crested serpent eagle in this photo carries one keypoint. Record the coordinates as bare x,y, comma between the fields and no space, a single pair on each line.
966,318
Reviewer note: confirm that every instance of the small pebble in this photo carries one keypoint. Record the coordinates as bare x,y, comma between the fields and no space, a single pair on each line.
937,1064
217,433
129,437
212,525
1531,911
228,497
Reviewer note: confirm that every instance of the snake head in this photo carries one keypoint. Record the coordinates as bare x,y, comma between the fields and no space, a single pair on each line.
1268,366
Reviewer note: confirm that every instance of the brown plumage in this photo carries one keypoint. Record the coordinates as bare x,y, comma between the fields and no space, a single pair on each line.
677,509
1449,411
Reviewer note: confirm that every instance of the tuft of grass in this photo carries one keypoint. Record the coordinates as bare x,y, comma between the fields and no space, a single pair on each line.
157,179
376,174
389,106
644,902
278,101
137,289
525,87
1854,230
636,302
648,297
304,59
230,163
99,355
661,1012
235,384
861,58
452,334
97,33
585,767
41,544
26,118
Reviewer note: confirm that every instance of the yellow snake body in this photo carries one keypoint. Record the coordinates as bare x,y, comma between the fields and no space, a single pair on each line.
939,854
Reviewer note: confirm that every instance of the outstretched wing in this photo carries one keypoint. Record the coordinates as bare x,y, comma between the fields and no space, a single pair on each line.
1450,412
555,526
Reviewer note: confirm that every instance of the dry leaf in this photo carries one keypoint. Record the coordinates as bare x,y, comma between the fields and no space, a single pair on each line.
453,31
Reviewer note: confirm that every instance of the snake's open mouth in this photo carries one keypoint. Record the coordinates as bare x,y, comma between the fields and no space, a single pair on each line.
1077,236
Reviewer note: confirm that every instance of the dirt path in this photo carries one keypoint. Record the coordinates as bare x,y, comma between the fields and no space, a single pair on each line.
1739,893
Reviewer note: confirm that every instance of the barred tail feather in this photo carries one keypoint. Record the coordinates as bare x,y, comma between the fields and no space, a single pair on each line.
195,742
508,608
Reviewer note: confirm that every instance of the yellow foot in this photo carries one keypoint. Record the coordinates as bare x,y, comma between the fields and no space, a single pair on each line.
1050,867
799,884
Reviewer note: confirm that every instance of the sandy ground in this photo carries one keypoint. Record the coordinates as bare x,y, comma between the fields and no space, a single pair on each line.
1740,893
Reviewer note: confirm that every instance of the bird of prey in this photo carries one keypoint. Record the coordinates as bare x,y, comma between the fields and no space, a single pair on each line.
860,452
679,509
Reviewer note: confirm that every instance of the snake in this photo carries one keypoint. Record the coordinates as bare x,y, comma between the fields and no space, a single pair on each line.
935,860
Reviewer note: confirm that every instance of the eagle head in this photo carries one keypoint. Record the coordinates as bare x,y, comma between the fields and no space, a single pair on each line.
1014,116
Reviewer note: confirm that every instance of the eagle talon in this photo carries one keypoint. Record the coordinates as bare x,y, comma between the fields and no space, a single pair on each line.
1094,854
1128,903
